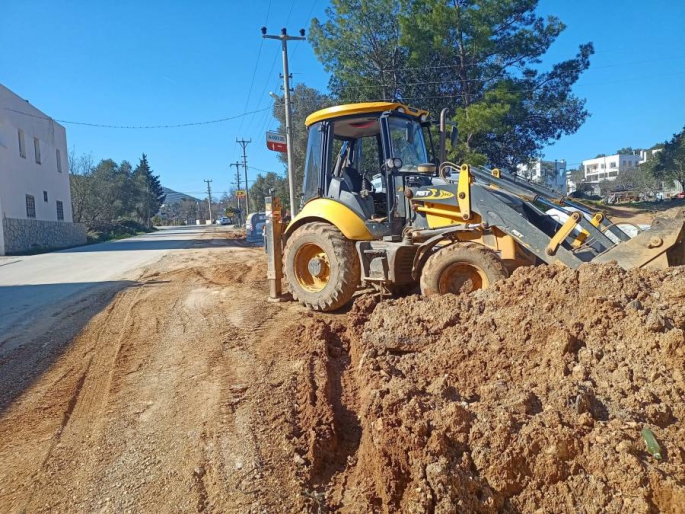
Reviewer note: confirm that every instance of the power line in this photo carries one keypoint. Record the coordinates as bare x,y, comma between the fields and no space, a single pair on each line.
306,25
256,66
266,83
137,127
267,171
520,90
290,12
467,65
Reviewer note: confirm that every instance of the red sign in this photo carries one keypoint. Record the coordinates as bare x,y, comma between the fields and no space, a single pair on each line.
276,142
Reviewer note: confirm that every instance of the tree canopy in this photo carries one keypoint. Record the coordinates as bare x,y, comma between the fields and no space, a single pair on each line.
628,150
261,187
480,58
304,101
669,163
110,191
148,192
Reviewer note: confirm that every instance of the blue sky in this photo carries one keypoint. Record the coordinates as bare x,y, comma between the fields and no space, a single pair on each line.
171,62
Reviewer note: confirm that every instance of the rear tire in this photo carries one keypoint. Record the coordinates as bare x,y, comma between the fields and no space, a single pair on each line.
321,266
461,268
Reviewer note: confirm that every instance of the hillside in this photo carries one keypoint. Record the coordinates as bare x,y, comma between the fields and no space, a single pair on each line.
176,197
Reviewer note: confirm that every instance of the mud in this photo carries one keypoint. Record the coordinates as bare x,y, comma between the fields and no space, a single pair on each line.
528,397
189,392
176,397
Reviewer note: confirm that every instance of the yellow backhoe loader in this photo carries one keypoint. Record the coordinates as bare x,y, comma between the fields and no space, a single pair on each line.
381,207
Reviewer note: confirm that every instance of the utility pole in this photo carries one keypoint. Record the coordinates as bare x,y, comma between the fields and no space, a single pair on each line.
209,199
237,183
244,143
284,38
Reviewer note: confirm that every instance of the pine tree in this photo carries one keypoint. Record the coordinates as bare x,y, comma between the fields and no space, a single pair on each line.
480,58
150,195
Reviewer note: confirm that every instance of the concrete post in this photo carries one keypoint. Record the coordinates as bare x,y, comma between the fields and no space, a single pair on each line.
274,249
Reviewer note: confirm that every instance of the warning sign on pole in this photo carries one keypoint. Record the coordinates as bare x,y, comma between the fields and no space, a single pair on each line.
276,142
240,193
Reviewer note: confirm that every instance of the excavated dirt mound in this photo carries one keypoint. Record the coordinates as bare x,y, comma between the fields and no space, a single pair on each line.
528,397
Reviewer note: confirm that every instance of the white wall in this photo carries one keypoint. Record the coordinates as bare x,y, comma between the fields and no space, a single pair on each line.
2,235
20,176
534,172
608,167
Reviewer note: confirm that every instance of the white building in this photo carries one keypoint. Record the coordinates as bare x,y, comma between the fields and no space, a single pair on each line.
608,167
35,196
550,173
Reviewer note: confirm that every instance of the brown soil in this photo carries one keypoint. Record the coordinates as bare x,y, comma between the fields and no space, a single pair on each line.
190,392
641,215
178,396
529,397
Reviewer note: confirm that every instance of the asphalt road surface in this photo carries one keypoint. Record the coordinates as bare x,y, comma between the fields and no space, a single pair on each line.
33,289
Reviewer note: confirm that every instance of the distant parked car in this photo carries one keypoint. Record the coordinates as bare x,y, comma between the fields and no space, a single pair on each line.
224,220
680,196
254,228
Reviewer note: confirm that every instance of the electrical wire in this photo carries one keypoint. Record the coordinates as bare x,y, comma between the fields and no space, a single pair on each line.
138,127
466,65
256,66
526,90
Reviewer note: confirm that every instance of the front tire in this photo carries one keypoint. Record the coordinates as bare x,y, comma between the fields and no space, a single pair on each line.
461,268
321,266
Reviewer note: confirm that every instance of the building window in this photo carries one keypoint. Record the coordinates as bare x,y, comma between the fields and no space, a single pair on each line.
613,165
59,161
36,149
45,196
60,211
30,206
22,144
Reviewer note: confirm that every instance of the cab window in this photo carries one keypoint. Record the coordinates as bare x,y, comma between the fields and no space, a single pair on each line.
312,167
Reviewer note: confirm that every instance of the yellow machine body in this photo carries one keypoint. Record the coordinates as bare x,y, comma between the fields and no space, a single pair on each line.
342,217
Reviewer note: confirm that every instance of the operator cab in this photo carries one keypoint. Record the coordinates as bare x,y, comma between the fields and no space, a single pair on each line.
364,156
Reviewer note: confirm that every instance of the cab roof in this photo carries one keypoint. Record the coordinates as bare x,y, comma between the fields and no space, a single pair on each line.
360,108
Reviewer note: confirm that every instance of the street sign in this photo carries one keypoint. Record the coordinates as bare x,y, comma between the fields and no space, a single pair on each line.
276,142
240,193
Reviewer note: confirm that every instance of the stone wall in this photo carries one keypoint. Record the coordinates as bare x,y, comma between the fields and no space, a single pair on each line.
28,235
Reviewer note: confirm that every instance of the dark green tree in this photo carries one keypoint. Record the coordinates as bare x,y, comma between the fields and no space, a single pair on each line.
578,178
261,187
628,150
480,58
640,179
149,192
359,45
669,163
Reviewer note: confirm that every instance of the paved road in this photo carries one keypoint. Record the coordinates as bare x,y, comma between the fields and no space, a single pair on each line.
35,288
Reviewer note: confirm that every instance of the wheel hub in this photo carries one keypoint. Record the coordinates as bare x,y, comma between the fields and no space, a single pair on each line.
462,278
316,267
312,267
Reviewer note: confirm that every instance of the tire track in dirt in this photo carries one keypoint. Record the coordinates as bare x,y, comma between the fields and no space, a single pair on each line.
177,396
88,401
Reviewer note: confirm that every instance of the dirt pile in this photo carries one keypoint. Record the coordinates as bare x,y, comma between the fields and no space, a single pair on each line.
527,397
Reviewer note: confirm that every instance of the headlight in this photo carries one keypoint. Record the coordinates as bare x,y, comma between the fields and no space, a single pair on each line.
395,162
400,109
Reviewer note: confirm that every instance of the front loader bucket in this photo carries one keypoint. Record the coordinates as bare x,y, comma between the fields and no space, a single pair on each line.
662,246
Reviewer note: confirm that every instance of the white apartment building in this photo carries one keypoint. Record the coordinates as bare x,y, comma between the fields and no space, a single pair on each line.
35,195
550,173
608,167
